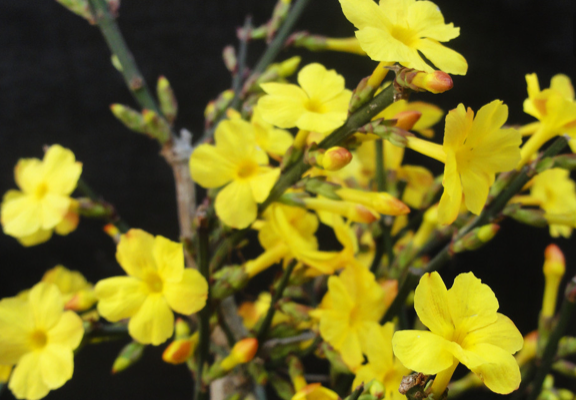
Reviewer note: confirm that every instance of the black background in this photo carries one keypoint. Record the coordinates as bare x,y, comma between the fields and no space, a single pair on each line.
57,82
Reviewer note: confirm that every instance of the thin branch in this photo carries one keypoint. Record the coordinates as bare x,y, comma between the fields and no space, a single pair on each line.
200,392
238,79
115,219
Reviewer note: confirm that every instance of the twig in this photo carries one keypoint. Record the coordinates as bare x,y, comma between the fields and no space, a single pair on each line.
566,311
412,276
241,66
356,393
122,226
224,249
200,392
263,330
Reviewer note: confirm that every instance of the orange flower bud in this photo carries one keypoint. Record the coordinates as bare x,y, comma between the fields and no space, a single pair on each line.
242,352
180,350
528,351
407,119
112,231
336,158
435,82
382,202
554,268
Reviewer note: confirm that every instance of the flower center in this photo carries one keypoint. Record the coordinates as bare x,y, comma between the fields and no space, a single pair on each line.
246,169
355,317
41,191
315,106
404,35
38,339
154,282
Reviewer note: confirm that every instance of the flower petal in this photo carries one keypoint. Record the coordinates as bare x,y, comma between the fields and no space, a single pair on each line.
235,139
189,295
422,351
26,381
262,184
54,209
442,57
451,199
235,205
28,174
458,124
320,84
475,185
154,321
426,18
351,351
134,252
209,168
21,215
380,45
61,171
169,258
15,325
472,303
46,305
283,105
68,331
317,122
502,333
119,297
500,373
562,84
56,365
431,303
364,13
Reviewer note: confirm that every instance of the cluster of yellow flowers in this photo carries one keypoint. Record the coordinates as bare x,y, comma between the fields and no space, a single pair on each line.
332,170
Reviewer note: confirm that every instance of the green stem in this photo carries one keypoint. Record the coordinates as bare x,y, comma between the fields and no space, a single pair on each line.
384,241
263,330
225,247
132,75
412,276
356,393
277,44
237,81
566,311
115,219
200,392
354,121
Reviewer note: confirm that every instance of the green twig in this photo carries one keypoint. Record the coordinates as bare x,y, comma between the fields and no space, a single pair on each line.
412,276
277,44
200,392
265,325
115,219
238,80
566,311
354,121
132,75
225,247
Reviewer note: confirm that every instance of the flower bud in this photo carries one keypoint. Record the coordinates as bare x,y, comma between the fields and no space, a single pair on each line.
353,211
228,281
131,118
288,67
336,158
315,391
476,238
429,224
434,82
554,268
156,126
381,202
242,352
128,356
376,389
78,7
112,231
81,300
180,350
407,119
167,100
181,329
528,351
229,57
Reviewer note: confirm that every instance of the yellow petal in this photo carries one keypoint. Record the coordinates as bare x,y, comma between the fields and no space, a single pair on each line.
458,124
472,303
338,105
189,295
26,381
432,305
380,45
379,347
54,209
500,373
134,252
364,13
322,123
15,325
475,185
38,237
426,18
262,184
236,140
209,168
56,365
28,174
320,84
169,258
431,115
442,57
562,84
422,351
451,199
119,297
61,171
235,205
502,333
154,321
351,351
68,331
46,305
283,105
367,373
21,215
533,87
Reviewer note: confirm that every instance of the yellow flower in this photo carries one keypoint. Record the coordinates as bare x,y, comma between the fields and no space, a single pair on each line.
555,110
30,214
474,150
39,338
251,312
382,365
237,162
396,30
157,284
315,391
356,305
556,193
319,104
464,327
